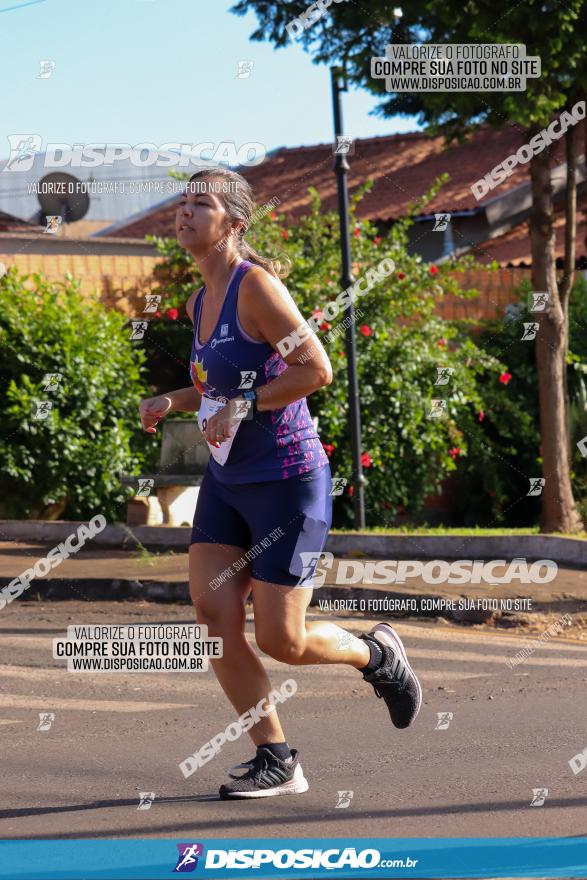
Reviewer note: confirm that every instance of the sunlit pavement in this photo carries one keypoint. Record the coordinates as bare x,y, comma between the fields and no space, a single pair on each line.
118,734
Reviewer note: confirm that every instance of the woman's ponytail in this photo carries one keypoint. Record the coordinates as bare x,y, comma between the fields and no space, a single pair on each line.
277,266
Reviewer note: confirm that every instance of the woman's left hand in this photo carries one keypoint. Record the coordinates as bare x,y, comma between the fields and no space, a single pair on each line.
222,425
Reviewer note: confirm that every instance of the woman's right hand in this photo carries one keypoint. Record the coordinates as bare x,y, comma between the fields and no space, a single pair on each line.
152,410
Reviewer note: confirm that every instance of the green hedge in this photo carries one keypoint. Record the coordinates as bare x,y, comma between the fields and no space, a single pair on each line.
68,463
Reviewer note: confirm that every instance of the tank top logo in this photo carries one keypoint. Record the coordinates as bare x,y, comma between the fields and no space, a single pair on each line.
199,374
214,342
200,379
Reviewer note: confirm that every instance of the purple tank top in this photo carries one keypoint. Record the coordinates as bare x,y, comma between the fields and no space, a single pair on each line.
274,444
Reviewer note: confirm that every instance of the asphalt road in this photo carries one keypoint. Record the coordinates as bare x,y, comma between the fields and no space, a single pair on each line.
117,734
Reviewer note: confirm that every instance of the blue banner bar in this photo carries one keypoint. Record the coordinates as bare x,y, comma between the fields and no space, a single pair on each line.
155,859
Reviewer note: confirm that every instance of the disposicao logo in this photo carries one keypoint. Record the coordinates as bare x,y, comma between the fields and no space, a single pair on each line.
187,859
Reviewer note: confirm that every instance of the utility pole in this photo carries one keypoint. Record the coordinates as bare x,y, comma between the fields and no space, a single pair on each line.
341,168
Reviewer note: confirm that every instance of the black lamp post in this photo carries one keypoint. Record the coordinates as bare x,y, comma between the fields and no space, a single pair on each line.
341,167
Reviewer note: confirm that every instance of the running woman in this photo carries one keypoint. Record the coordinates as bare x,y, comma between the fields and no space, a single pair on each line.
266,491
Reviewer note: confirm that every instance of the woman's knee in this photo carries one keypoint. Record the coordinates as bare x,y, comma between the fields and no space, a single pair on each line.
219,617
221,603
286,647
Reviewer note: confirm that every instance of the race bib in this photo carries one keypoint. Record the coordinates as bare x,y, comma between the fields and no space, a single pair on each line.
208,408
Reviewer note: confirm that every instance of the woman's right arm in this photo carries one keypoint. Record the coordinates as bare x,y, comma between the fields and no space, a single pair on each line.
153,409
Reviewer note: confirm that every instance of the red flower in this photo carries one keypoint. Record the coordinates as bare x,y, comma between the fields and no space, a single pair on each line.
401,276
433,270
377,240
318,315
454,452
328,448
356,232
284,233
342,354
351,491
481,416
441,343
157,314
505,378
366,330
273,215
366,459
172,314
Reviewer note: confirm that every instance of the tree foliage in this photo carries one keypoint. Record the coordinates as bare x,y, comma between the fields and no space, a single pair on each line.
355,33
350,35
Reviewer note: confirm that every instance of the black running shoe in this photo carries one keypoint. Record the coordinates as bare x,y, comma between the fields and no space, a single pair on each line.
266,776
395,679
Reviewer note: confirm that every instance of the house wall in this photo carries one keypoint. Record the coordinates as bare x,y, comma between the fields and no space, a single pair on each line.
496,289
122,280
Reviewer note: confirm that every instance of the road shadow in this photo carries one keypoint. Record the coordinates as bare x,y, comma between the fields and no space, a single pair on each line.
233,821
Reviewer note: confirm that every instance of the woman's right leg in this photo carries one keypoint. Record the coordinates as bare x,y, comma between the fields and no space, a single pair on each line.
239,671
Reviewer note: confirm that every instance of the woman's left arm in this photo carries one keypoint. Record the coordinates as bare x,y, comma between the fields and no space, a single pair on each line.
269,312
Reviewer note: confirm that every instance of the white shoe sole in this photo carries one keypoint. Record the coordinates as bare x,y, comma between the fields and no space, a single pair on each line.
386,634
297,785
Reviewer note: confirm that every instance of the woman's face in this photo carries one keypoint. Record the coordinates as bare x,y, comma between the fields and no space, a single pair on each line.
201,219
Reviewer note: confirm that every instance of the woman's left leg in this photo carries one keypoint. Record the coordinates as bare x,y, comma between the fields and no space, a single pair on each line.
281,629
295,515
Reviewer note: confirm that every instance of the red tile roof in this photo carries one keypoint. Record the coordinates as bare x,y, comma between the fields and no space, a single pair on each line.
513,248
403,166
9,223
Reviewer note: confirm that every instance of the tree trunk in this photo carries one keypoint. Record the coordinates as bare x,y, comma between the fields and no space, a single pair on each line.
568,277
559,512
566,282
